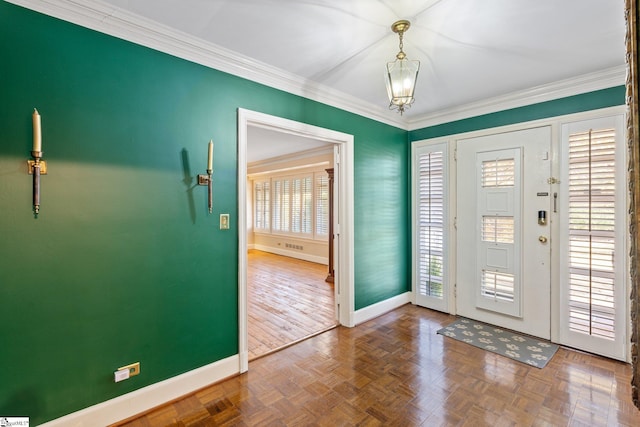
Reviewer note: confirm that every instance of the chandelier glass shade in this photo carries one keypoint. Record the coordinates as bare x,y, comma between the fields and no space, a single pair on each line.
401,74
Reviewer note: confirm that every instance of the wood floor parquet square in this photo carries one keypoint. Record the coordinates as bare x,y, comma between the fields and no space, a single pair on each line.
396,371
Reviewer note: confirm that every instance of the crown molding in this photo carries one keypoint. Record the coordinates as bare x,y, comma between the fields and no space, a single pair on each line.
98,16
119,23
603,79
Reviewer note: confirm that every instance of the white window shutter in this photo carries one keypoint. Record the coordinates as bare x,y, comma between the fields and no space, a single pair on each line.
592,232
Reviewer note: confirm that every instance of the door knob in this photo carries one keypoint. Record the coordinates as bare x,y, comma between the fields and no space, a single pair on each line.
543,239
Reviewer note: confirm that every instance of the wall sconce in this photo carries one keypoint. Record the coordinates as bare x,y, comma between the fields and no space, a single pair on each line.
37,166
206,179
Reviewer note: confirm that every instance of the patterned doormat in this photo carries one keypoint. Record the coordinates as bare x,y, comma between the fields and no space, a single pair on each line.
532,351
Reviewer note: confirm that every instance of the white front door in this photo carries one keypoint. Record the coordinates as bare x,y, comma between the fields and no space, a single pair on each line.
503,230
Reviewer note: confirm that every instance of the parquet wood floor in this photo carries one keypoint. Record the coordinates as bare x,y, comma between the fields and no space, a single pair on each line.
288,300
396,371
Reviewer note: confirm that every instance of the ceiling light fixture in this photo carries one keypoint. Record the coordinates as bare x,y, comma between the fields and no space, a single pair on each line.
401,74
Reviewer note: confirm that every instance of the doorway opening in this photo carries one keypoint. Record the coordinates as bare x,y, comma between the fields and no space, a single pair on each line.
293,155
288,237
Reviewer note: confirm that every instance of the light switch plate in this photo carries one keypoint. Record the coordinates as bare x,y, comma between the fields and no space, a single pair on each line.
120,375
224,221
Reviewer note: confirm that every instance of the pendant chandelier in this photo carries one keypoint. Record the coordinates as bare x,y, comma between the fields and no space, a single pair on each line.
401,74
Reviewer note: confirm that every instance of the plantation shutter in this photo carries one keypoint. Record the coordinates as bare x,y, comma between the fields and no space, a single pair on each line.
261,205
277,190
307,205
322,205
286,205
301,205
296,212
292,206
430,224
592,189
281,204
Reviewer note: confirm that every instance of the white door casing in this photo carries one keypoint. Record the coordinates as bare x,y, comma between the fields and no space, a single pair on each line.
343,200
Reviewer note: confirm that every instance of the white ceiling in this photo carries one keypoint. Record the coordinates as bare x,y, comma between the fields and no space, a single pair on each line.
470,50
477,56
263,144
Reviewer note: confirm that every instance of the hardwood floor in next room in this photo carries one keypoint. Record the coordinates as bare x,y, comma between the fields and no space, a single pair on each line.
288,300
396,371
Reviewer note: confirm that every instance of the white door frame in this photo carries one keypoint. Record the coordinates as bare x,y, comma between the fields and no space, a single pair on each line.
343,230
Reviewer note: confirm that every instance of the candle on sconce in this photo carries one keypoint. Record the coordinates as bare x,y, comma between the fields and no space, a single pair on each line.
210,158
37,132
207,179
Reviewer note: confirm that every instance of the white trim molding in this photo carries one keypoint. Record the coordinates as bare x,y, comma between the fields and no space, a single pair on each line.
382,307
292,254
136,402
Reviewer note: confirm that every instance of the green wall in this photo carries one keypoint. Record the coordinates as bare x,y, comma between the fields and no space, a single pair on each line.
124,263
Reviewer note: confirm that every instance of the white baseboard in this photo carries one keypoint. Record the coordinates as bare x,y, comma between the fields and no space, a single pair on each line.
382,307
293,254
136,402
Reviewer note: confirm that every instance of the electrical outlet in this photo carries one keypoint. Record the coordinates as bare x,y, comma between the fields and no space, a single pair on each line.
224,221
